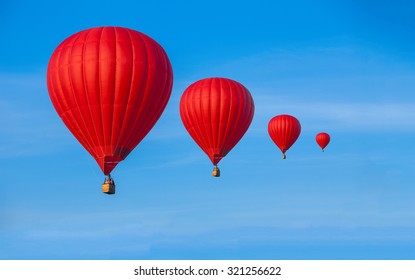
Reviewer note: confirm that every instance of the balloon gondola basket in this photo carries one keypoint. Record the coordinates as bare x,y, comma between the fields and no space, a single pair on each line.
216,172
108,186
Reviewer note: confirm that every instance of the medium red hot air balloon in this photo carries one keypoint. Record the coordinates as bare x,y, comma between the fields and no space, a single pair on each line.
216,112
284,131
109,85
323,139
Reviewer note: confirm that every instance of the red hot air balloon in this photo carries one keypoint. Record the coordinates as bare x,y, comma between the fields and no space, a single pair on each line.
216,112
109,85
323,139
284,131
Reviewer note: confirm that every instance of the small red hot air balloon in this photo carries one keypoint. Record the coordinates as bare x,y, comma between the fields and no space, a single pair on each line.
216,112
109,85
323,139
284,131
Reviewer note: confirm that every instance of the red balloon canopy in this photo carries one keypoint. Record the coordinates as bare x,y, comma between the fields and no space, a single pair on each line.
323,139
284,131
109,85
216,112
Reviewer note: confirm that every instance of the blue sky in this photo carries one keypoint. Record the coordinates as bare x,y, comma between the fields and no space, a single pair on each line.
344,67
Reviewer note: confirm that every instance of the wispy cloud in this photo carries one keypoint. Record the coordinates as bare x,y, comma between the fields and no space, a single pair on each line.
191,222
14,82
336,87
315,62
340,116
29,125
184,160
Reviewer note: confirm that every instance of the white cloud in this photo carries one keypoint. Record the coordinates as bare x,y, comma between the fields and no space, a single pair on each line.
340,116
29,125
314,63
337,87
155,225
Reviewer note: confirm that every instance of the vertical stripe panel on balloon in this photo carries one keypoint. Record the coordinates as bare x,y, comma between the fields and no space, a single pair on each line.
73,110
195,112
76,79
224,118
107,76
91,82
149,98
214,112
139,71
123,77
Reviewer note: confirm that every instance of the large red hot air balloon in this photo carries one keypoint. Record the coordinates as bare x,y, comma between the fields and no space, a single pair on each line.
323,139
109,85
216,112
284,131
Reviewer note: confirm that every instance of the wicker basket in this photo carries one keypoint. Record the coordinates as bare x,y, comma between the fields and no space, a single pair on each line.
108,188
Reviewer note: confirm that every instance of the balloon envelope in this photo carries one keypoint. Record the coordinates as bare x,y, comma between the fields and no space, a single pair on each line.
109,85
216,112
284,130
323,139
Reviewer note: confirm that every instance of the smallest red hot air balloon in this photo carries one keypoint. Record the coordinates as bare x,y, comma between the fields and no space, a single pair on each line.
284,131
323,139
